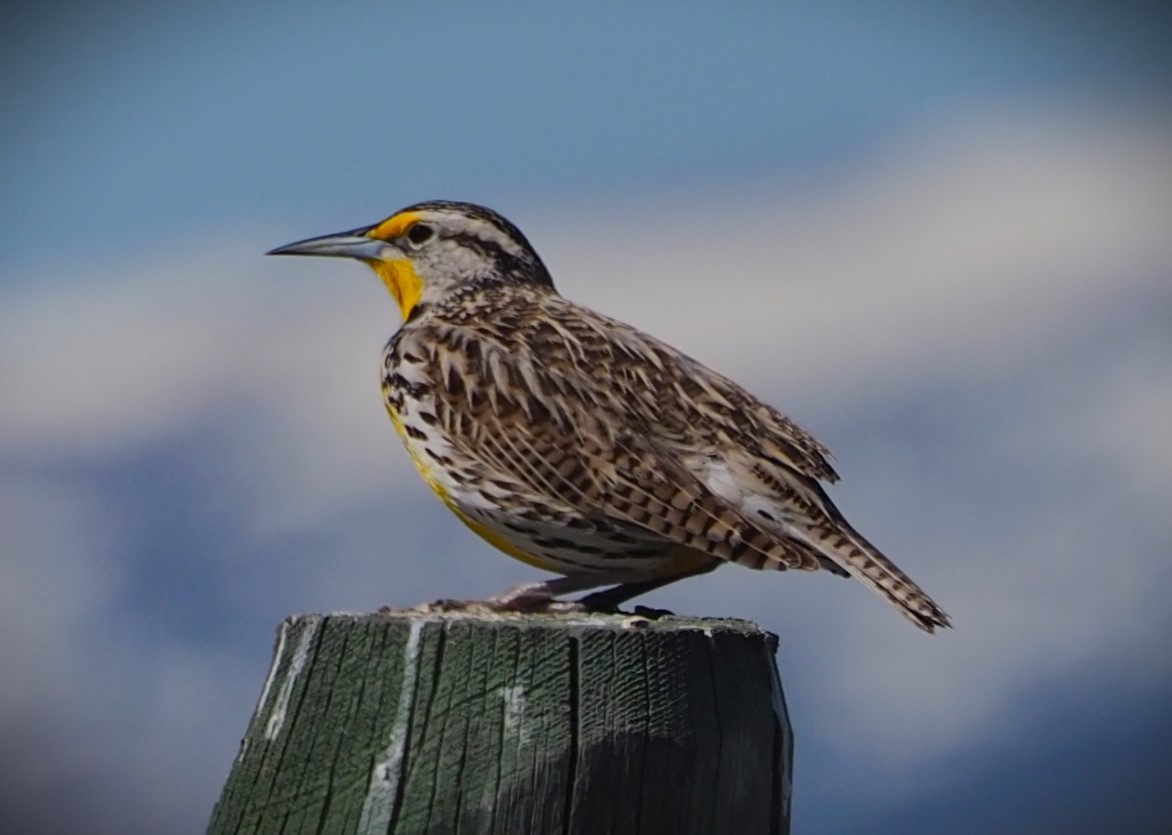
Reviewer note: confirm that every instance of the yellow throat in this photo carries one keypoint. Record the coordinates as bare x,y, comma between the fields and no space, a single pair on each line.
403,282
399,275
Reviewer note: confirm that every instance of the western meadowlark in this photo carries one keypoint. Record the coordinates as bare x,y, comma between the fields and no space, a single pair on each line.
579,444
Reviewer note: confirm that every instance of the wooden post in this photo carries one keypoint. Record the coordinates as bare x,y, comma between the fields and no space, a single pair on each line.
477,722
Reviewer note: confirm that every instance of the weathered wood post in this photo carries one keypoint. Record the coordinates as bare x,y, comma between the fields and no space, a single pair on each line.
477,722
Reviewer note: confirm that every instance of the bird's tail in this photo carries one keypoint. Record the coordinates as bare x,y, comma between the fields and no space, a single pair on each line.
867,563
837,541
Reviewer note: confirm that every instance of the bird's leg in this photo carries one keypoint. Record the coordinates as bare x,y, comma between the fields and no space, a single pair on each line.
610,599
540,594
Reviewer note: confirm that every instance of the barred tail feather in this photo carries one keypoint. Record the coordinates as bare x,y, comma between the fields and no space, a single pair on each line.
873,569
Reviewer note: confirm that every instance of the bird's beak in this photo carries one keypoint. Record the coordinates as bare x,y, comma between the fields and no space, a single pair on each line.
352,244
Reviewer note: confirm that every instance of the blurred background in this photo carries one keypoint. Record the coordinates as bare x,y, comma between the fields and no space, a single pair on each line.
939,236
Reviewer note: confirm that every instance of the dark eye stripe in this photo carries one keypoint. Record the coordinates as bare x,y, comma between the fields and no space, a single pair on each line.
529,267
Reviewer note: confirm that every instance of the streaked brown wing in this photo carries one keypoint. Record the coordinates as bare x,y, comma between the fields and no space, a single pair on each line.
580,457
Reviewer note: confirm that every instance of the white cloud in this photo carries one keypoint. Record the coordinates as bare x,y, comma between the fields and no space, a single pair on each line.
957,252
57,539
92,693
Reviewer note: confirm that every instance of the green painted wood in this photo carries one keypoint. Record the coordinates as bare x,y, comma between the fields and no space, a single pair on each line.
479,722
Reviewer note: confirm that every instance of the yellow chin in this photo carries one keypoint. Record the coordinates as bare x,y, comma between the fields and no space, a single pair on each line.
403,282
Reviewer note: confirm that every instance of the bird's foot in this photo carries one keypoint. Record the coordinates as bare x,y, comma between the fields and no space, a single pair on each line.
448,604
495,605
543,596
652,612
604,603
532,597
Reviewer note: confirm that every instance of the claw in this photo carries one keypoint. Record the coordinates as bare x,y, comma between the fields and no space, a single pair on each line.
526,598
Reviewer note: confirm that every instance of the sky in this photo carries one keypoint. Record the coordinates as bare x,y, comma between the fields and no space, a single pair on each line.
936,235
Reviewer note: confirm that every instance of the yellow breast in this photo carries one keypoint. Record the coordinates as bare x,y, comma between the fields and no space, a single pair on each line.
435,480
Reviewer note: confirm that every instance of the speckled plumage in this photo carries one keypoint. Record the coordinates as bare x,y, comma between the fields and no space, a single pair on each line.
585,446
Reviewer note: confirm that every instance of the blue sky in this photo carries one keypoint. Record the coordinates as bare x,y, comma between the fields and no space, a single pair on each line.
936,236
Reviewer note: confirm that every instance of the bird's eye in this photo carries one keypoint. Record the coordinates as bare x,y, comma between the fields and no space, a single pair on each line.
419,234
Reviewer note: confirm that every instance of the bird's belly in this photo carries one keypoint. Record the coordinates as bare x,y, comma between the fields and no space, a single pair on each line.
558,543
553,539
552,545
435,459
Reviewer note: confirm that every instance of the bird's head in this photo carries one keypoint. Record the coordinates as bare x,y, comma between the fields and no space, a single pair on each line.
429,250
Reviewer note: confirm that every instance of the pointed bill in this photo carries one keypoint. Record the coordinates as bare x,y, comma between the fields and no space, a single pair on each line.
352,244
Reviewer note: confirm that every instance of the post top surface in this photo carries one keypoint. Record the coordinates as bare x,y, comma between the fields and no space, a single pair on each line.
650,620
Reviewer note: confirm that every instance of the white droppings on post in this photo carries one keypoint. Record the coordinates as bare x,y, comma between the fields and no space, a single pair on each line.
296,665
282,637
379,803
516,701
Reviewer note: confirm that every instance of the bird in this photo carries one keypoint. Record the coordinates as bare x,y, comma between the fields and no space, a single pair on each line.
581,445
